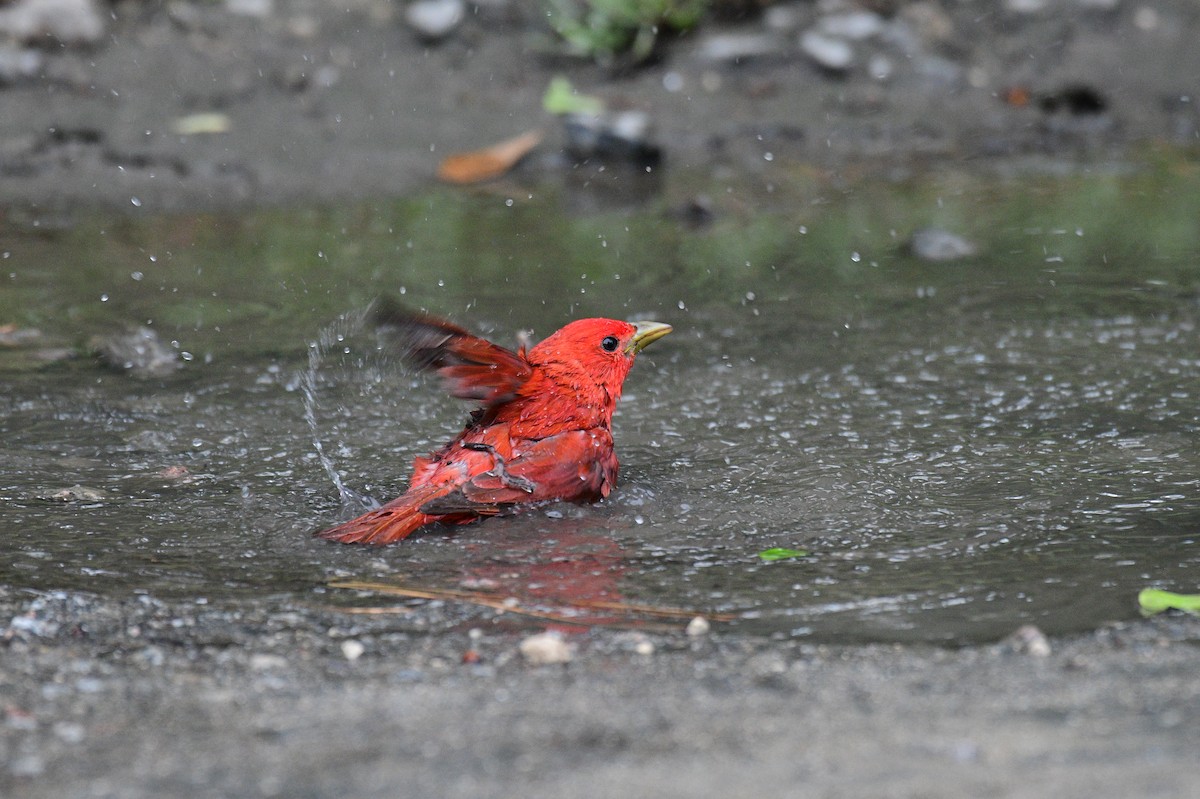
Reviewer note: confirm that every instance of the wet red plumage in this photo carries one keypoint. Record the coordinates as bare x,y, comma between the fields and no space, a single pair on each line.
542,433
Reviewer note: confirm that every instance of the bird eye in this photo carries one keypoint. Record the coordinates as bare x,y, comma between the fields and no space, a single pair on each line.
610,344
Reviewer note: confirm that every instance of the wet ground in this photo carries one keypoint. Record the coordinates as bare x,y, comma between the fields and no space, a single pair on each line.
962,448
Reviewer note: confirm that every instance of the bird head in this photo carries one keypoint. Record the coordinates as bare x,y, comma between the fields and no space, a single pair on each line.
596,354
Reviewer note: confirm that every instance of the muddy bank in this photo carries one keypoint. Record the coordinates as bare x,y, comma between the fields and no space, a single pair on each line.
317,104
140,698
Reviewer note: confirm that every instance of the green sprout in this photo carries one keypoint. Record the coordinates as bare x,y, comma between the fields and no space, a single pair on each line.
782,553
1153,600
561,98
607,29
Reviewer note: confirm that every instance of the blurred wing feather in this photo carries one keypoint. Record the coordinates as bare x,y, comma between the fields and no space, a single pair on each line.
471,367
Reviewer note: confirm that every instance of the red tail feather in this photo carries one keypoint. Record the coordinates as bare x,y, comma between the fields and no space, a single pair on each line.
392,522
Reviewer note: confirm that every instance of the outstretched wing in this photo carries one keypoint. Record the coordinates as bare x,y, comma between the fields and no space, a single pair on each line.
472,368
577,466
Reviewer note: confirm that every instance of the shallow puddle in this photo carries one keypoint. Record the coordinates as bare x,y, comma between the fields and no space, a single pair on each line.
959,447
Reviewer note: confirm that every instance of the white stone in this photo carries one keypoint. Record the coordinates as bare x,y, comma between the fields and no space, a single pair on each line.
854,25
435,19
545,649
352,650
828,52
68,21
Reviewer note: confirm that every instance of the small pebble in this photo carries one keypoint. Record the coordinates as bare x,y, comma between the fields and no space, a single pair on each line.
19,719
27,765
352,650
928,20
265,662
138,352
782,17
69,732
78,493
619,136
68,21
831,53
1029,640
853,25
880,67
259,9
698,626
434,20
32,625
935,244
734,47
545,649
18,63
1025,6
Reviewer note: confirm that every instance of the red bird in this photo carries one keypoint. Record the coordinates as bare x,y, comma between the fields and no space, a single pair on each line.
543,431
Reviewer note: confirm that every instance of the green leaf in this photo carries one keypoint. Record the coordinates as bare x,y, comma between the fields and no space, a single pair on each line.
1153,600
782,553
561,98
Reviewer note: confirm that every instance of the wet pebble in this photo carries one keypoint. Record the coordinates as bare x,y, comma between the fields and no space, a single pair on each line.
26,765
1026,6
77,493
259,9
434,20
150,656
30,625
1029,640
783,17
352,650
637,642
18,63
853,25
546,649
698,626
70,732
617,136
924,19
828,52
735,47
13,336
16,718
880,67
936,244
67,21
261,661
137,351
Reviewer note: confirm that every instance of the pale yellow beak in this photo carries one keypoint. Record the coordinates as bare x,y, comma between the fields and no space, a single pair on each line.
646,333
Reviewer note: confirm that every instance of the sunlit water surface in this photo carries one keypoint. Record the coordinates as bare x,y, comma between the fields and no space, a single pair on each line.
960,448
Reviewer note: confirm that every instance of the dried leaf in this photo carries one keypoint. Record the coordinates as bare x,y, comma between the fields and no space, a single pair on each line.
490,162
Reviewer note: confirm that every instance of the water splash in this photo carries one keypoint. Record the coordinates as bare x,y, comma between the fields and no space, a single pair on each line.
334,335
